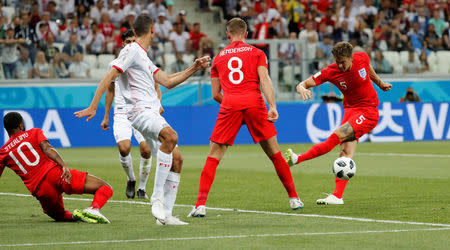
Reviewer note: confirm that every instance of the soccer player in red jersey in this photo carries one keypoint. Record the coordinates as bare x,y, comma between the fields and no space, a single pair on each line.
45,174
240,70
353,75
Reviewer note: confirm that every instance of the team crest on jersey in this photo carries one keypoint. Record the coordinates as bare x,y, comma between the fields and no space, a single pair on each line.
362,73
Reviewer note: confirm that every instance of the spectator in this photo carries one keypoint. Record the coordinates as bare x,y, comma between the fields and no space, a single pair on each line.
155,8
412,66
171,14
96,41
107,29
415,37
398,39
50,50
50,26
81,14
26,31
347,17
195,36
181,19
289,52
410,12
179,65
206,47
380,64
59,69
84,30
342,33
132,8
368,12
96,12
24,68
70,49
41,67
54,13
72,29
312,41
434,42
325,47
422,20
380,36
67,7
352,12
423,59
116,14
35,17
329,20
179,39
129,19
410,96
439,23
163,28
9,53
296,11
389,9
323,31
362,35
445,39
263,21
79,68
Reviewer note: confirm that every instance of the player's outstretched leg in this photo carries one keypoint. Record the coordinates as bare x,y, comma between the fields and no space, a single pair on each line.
348,150
216,152
127,164
144,170
171,190
102,191
169,139
272,150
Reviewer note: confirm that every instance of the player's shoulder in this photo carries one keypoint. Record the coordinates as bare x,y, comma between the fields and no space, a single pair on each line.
360,56
34,131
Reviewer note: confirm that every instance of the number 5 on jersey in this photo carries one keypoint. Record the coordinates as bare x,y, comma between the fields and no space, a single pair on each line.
235,70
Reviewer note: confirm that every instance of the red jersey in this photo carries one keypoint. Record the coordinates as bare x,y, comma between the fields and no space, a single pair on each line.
23,154
355,84
107,29
195,38
237,68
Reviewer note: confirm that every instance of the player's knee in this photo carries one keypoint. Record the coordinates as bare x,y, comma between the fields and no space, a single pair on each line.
124,150
146,153
172,139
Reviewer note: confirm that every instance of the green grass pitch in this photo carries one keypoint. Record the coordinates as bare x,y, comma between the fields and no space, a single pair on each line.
407,182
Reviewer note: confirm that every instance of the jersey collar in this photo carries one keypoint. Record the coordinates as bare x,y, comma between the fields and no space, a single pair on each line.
142,47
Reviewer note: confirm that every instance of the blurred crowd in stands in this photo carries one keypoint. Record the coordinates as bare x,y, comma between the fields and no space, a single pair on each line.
49,38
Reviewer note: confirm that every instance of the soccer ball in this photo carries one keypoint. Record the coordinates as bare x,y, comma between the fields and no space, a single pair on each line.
344,168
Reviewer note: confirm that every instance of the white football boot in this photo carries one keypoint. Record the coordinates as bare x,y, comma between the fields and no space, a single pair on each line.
171,221
295,203
200,211
291,157
330,200
95,214
158,209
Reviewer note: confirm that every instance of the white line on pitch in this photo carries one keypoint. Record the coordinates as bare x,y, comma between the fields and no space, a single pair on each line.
404,155
219,237
262,212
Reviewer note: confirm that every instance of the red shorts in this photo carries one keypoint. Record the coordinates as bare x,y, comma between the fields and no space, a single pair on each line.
362,120
49,192
229,122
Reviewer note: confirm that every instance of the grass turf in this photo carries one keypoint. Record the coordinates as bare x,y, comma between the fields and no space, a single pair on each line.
405,186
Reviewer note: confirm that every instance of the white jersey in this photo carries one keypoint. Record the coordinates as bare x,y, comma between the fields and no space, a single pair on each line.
137,84
121,88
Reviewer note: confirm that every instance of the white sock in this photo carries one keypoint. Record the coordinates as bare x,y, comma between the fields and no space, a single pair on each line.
170,192
127,164
163,166
144,171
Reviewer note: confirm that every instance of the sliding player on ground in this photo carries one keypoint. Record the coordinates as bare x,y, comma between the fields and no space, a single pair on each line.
145,117
353,75
123,131
240,70
46,175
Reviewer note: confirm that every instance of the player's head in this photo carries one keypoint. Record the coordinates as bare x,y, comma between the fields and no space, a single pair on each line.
143,26
342,53
236,29
128,37
13,123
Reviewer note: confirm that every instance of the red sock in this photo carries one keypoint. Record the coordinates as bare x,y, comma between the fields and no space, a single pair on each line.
206,180
320,148
101,196
284,173
339,188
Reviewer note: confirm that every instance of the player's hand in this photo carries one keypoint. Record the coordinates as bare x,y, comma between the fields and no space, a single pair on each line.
202,63
305,93
105,124
385,86
272,115
66,176
161,110
89,112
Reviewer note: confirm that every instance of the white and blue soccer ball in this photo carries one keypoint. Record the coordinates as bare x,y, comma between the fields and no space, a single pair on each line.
344,168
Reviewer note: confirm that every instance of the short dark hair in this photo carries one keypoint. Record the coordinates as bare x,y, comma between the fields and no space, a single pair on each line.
127,33
12,120
342,49
237,26
142,24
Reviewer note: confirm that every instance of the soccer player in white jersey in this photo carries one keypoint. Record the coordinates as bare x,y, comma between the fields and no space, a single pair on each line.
144,116
123,131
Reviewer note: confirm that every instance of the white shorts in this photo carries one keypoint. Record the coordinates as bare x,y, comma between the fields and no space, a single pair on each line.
123,129
149,124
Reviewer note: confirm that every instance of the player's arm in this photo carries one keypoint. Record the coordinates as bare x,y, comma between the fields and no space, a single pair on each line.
51,153
170,81
109,96
103,85
267,89
303,88
216,90
376,79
